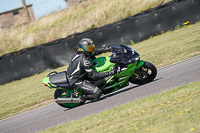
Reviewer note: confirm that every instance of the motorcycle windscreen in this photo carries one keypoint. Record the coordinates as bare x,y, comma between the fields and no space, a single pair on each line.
124,54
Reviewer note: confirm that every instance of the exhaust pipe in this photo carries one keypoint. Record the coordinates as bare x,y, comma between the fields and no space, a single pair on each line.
68,100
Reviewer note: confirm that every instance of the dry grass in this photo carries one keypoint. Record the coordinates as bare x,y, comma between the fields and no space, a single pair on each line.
87,15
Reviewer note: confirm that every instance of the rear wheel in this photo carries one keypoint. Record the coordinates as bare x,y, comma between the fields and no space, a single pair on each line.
144,74
65,94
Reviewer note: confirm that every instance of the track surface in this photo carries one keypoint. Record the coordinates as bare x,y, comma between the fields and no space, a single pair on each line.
48,116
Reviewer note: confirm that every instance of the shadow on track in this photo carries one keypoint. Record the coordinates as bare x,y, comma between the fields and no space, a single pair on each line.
112,94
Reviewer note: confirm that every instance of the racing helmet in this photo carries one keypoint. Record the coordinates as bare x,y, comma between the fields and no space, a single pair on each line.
87,46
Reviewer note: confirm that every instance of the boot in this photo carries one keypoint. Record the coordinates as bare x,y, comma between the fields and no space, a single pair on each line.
93,90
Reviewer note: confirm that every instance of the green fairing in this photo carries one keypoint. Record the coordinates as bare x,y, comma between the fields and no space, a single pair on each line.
140,64
102,64
123,77
130,69
46,81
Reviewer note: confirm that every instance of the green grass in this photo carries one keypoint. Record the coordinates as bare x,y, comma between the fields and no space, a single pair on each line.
170,47
174,46
174,111
87,15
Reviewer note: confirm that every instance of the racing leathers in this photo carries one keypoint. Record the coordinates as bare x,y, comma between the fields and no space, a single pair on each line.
79,69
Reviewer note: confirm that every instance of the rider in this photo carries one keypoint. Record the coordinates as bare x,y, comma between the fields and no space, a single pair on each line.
80,67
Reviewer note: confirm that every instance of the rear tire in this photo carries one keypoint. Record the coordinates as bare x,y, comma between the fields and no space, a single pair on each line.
145,74
65,94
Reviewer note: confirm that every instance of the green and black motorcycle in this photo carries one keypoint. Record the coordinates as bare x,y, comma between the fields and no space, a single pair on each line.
125,59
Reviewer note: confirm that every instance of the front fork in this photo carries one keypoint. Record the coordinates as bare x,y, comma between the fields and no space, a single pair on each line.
139,65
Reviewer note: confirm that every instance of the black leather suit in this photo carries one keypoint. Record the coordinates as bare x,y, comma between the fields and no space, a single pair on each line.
79,69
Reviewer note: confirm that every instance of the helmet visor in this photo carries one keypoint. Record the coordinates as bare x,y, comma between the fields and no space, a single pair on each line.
88,48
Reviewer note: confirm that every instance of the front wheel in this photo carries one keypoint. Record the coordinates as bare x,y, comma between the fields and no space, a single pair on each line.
65,94
144,74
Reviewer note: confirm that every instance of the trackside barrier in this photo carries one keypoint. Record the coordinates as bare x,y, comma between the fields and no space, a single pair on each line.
27,62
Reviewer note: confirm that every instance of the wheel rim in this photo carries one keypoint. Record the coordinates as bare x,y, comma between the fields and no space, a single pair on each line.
145,73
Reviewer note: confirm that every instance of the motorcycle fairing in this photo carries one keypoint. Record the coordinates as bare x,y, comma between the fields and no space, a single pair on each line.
102,64
120,80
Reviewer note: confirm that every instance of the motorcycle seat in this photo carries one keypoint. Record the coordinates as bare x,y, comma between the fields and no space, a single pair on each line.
59,78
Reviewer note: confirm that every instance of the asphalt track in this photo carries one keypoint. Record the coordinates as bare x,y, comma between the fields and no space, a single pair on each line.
48,116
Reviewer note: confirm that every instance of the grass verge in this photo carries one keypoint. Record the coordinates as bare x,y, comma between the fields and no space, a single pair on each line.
28,93
174,111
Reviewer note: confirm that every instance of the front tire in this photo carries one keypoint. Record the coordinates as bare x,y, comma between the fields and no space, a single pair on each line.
144,74
65,94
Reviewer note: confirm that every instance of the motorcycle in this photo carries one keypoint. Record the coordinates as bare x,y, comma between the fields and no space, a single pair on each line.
123,58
